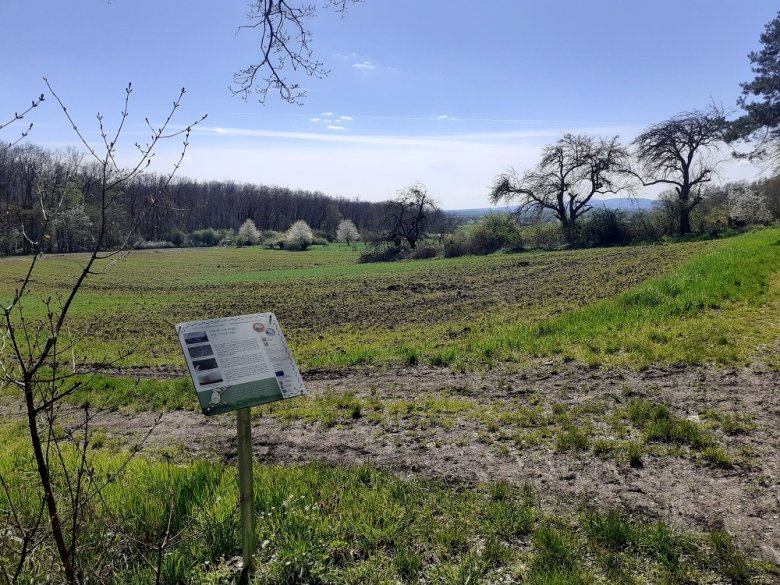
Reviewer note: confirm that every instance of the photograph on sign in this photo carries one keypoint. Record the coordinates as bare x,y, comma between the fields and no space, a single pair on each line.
236,362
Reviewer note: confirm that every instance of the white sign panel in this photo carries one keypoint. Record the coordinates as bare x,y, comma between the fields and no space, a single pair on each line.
236,362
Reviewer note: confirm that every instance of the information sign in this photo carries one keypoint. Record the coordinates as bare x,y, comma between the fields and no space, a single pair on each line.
237,362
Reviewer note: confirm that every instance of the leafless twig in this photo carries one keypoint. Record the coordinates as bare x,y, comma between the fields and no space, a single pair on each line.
284,42
16,117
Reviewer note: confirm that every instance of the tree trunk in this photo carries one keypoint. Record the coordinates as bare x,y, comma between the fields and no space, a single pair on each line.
685,218
43,473
569,231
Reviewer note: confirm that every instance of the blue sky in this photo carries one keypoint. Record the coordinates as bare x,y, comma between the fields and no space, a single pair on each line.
447,92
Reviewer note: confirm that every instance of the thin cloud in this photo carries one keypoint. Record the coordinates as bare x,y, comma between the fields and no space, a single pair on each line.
429,141
364,66
442,117
455,172
509,120
330,121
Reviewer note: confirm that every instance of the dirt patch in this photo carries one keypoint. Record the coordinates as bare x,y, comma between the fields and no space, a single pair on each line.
682,490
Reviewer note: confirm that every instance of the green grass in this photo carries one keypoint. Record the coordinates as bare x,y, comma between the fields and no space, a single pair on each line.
610,529
318,523
115,392
731,423
572,439
659,425
715,302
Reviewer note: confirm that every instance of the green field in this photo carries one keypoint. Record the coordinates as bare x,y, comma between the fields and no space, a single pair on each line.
463,311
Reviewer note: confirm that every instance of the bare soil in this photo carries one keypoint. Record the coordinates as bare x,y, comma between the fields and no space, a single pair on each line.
684,491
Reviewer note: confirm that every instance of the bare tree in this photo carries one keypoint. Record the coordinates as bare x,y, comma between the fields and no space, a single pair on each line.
284,43
410,214
571,172
681,152
37,356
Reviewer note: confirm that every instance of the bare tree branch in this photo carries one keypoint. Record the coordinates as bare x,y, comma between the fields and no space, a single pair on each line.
284,43
410,214
16,117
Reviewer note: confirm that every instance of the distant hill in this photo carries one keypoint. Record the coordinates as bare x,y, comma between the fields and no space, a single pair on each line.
625,203
616,203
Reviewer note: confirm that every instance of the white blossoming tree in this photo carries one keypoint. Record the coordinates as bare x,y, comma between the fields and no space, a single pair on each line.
347,232
299,236
746,207
248,234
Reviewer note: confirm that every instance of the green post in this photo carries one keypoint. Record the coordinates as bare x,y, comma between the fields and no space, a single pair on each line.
246,490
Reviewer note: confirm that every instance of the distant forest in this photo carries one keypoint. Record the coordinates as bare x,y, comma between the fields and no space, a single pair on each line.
64,185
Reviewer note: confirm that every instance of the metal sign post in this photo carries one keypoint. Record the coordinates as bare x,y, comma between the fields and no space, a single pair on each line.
236,363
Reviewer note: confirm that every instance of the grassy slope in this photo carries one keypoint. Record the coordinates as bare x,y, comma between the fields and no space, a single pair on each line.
721,307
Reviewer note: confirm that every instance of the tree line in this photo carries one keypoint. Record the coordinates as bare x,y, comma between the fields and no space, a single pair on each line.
63,185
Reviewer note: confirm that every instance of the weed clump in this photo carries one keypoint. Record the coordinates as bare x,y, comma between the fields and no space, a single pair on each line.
572,439
658,424
634,453
609,529
732,562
